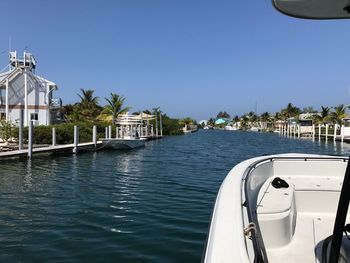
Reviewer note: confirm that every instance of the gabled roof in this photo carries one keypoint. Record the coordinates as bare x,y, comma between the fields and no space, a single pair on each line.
4,75
16,71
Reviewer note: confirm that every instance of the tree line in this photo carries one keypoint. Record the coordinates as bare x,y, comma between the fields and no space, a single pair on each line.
327,114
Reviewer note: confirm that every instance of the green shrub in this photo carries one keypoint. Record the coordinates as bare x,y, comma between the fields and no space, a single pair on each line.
64,133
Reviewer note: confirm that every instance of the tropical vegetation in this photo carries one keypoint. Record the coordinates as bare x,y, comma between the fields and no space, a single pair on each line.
85,113
267,120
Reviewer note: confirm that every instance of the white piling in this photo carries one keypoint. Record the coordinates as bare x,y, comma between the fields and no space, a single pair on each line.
94,135
30,139
342,133
106,132
76,138
53,136
335,132
298,130
110,132
313,131
116,132
157,123
161,124
319,132
20,130
289,130
326,132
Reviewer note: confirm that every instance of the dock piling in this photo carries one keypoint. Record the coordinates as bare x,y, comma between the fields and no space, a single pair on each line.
106,132
20,131
319,132
109,132
30,139
161,124
76,138
342,133
53,136
335,132
94,135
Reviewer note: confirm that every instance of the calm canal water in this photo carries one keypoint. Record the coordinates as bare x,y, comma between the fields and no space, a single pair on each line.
148,205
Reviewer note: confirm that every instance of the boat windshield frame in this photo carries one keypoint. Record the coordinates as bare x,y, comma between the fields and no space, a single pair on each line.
260,255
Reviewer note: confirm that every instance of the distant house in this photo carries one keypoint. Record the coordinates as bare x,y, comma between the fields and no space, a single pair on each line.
346,128
306,122
220,121
24,92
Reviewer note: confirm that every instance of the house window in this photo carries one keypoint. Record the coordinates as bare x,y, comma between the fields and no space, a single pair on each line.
34,116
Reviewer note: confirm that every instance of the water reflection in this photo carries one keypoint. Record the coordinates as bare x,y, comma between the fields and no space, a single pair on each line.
121,205
28,175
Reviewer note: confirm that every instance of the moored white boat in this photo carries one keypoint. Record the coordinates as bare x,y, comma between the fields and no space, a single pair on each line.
230,128
281,208
123,144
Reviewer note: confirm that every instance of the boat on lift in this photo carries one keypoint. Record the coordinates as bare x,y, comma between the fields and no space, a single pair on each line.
129,131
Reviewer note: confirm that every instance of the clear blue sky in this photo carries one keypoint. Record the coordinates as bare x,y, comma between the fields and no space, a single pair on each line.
190,57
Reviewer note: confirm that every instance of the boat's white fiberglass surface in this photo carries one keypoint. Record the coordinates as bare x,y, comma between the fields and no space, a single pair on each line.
293,221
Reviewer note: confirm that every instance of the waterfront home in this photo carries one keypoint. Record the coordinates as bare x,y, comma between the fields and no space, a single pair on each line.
221,121
24,92
306,124
345,131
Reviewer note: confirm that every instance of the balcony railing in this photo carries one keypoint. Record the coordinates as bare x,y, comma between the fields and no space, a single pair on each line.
55,103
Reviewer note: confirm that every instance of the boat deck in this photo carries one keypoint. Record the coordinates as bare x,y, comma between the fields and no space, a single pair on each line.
306,246
315,202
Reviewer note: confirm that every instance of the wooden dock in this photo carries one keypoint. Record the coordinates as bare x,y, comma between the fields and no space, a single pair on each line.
326,132
74,147
67,148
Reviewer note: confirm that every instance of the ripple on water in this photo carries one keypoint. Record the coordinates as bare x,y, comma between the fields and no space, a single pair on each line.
149,205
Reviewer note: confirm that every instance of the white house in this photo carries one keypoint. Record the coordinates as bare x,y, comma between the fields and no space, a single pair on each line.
24,92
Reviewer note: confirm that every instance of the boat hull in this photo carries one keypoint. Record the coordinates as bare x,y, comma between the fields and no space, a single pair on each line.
123,144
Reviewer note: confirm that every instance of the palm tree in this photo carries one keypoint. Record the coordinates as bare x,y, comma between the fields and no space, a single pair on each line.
87,98
252,117
244,122
290,111
265,118
323,116
115,106
211,122
223,114
338,113
88,105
